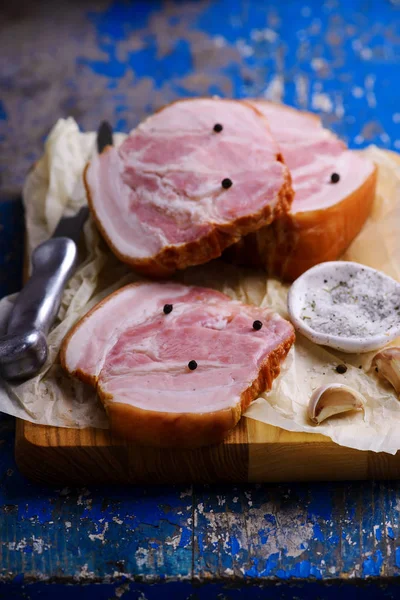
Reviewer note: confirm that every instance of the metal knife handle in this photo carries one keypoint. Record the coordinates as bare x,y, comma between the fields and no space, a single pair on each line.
53,263
22,355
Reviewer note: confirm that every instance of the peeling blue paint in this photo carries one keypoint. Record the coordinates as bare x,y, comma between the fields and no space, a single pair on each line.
271,564
318,533
235,546
121,125
177,64
315,572
334,539
346,57
110,68
303,569
373,564
121,17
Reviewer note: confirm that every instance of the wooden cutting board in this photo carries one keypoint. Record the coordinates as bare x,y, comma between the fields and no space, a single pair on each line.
253,452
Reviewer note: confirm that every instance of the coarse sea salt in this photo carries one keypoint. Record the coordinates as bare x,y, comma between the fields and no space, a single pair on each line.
343,304
364,305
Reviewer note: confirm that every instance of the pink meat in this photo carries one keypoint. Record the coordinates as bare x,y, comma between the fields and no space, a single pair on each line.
325,217
159,199
312,154
137,356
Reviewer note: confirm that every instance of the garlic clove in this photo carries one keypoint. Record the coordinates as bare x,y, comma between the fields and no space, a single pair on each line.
333,399
387,362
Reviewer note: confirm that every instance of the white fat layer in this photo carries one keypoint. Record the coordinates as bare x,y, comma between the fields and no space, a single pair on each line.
107,189
303,133
96,335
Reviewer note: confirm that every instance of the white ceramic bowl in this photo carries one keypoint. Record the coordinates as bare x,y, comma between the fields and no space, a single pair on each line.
324,278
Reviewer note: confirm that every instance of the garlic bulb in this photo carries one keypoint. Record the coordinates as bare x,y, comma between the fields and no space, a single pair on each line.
387,364
333,399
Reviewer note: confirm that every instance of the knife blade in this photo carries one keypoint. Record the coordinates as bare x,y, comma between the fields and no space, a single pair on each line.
24,350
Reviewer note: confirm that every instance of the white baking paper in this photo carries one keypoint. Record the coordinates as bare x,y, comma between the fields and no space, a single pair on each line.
55,187
309,366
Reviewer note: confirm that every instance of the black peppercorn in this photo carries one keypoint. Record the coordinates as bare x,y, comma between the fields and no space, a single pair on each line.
226,183
341,369
192,365
335,177
257,325
218,128
167,308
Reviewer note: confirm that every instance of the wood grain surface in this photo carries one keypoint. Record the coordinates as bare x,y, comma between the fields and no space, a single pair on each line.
254,452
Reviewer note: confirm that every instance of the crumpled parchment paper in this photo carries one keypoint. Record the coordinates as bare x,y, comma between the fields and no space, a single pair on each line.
55,187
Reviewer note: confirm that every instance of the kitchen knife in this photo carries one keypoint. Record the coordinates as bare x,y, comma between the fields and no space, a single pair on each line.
23,351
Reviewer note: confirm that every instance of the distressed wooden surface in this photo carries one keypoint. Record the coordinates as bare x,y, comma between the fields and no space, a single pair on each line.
119,61
253,452
332,532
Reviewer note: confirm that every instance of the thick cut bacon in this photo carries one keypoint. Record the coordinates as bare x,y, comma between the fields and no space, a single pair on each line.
159,201
325,217
137,357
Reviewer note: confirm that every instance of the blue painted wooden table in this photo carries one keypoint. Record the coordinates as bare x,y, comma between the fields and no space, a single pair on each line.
119,61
